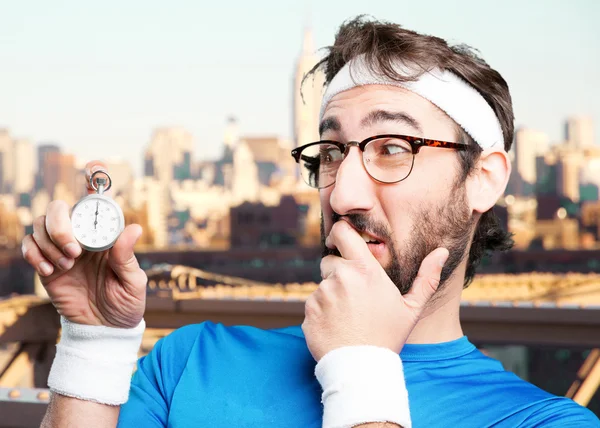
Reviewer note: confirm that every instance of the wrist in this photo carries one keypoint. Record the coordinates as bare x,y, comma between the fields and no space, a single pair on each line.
95,363
362,384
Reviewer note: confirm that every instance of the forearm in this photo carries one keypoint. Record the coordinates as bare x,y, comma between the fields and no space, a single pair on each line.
67,412
91,375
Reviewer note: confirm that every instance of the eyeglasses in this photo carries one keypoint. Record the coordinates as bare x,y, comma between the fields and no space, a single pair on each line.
387,158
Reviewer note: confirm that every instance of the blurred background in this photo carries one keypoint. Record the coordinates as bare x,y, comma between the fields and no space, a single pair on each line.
195,107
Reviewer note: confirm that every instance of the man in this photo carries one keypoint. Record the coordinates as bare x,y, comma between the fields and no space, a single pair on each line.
413,157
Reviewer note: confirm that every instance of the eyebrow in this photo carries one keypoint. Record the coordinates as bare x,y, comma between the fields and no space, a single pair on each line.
376,116
330,124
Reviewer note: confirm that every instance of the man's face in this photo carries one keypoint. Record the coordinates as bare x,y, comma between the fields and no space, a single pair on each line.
408,219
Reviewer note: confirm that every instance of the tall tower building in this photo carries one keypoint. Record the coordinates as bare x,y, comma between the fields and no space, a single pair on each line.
580,132
59,168
121,175
25,172
7,168
44,150
232,136
529,144
307,97
169,155
568,174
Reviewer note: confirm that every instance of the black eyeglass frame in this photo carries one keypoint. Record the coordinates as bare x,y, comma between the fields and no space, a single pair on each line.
415,143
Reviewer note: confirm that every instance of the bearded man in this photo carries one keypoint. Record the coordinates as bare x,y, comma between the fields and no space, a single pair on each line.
412,158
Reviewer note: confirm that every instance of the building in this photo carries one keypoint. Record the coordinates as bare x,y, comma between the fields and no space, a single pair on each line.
579,132
60,168
121,175
24,158
7,167
272,157
232,135
307,97
245,183
529,144
44,150
169,155
153,196
568,173
257,225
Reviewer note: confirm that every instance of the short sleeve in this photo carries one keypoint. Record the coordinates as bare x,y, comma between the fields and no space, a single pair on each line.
146,406
156,378
564,413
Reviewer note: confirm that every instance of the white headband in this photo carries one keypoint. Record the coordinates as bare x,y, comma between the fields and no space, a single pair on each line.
454,96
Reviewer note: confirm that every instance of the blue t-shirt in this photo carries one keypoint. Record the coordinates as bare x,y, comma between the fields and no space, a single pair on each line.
209,375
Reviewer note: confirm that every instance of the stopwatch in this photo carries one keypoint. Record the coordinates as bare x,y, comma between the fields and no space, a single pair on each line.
97,220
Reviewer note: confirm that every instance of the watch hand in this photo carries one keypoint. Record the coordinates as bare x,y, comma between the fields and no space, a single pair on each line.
96,218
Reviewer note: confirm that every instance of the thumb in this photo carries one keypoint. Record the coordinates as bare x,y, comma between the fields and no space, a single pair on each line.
428,279
122,259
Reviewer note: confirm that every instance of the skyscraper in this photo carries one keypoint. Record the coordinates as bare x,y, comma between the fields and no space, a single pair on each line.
568,174
59,168
169,155
24,158
529,144
245,185
307,97
7,170
121,175
579,132
231,137
43,151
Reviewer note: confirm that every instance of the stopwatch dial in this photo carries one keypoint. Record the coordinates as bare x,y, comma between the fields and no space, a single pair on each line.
96,223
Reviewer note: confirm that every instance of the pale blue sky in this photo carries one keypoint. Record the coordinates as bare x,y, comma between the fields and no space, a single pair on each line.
97,77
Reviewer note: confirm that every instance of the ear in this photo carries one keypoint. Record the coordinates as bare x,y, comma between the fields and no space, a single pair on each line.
488,182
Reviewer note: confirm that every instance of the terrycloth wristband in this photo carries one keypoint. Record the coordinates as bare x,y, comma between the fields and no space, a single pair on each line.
95,363
362,384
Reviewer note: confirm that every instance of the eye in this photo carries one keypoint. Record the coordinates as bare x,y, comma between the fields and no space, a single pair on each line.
330,154
393,147
390,149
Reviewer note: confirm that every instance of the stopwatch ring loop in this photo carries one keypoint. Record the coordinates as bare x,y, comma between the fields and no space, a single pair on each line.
93,185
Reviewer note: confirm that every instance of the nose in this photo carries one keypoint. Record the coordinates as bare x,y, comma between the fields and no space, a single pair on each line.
353,188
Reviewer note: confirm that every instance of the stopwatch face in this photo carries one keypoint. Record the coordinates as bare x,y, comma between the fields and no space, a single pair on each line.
97,222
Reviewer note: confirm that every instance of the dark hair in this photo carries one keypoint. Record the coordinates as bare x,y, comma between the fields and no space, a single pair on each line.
384,43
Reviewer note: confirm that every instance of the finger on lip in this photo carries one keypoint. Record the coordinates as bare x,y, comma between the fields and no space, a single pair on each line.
350,228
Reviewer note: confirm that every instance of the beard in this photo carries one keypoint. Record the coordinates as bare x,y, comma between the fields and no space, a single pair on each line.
449,225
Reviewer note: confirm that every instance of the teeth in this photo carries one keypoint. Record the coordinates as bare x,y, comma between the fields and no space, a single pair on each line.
366,237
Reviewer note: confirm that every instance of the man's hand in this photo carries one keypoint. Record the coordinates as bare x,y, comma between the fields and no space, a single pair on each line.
358,304
106,288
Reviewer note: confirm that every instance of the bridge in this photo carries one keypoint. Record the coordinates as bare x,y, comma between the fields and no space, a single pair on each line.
527,309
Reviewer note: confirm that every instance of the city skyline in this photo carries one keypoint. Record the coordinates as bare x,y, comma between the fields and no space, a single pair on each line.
101,94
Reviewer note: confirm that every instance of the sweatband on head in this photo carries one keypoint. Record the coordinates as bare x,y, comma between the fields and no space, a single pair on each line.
458,99
362,384
95,363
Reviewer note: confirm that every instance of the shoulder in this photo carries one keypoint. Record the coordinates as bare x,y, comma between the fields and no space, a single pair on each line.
531,406
501,396
561,412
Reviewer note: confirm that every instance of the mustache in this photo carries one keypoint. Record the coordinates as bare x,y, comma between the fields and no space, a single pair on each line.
362,223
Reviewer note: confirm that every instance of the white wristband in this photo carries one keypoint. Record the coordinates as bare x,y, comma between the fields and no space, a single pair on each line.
95,363
362,384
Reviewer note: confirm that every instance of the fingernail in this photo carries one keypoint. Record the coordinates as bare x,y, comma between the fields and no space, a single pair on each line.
72,250
88,172
443,260
65,263
45,268
97,168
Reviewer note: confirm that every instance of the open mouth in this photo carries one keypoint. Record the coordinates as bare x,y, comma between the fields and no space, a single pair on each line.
369,239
